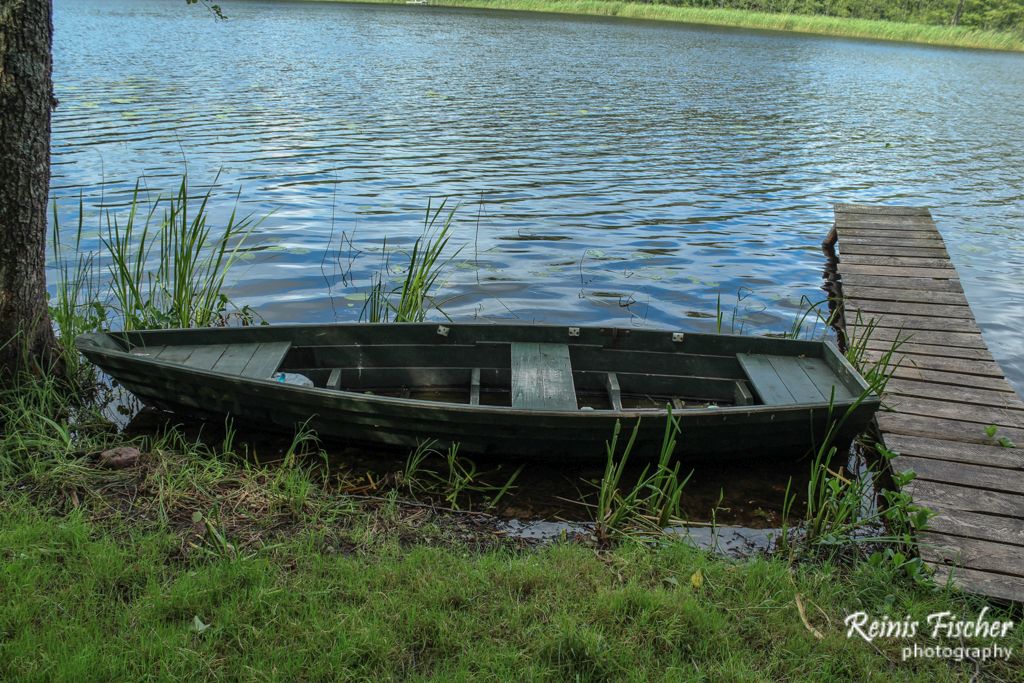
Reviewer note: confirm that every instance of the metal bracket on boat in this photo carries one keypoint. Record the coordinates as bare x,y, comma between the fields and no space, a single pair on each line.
443,330
677,336
574,331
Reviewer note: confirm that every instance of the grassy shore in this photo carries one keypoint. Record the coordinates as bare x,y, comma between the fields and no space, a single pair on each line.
951,36
184,556
83,604
199,559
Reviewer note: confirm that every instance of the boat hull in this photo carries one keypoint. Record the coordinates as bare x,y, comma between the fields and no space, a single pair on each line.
706,434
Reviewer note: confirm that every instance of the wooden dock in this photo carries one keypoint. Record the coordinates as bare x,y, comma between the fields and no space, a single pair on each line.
893,270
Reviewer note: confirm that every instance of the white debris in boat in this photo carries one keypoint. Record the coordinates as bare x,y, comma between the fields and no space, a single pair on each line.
292,378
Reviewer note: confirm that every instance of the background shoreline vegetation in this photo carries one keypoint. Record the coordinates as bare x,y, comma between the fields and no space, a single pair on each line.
212,557
983,24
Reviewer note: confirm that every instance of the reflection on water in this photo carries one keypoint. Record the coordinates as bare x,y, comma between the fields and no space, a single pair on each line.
608,171
736,541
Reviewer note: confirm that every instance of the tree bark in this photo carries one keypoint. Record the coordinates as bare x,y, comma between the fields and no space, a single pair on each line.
956,15
26,100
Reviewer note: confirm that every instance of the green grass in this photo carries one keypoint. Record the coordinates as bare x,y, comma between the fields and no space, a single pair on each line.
200,564
210,561
82,603
952,36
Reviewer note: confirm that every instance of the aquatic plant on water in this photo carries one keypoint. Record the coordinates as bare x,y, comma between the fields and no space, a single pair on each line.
654,501
412,298
162,264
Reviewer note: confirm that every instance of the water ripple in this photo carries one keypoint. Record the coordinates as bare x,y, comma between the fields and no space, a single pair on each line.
606,171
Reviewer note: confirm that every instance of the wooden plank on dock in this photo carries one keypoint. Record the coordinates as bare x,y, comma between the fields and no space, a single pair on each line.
869,307
907,349
955,379
974,525
899,286
900,296
884,210
954,431
912,323
959,452
915,283
1000,586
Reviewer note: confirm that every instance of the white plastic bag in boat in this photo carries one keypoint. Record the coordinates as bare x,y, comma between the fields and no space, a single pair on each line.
292,378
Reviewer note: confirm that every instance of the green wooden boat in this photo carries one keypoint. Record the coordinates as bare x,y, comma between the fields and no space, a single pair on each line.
527,390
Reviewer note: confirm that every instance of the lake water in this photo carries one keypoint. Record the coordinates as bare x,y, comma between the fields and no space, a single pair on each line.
605,171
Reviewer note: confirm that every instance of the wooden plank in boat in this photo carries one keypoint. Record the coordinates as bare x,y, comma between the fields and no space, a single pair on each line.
474,387
782,380
206,356
147,351
176,354
614,392
802,387
820,373
765,378
235,358
266,360
542,377
742,395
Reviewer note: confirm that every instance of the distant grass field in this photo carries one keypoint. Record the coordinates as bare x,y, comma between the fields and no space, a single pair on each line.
951,36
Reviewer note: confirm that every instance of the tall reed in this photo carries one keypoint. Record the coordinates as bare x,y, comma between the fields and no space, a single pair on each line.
411,300
654,501
163,264
170,271
75,306
840,514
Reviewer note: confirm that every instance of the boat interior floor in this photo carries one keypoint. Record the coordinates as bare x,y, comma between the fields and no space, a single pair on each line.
528,375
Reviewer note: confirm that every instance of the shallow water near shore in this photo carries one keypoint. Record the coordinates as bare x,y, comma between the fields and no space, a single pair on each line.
605,172
730,506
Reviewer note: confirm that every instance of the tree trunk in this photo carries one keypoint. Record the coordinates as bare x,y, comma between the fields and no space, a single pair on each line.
26,99
956,15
